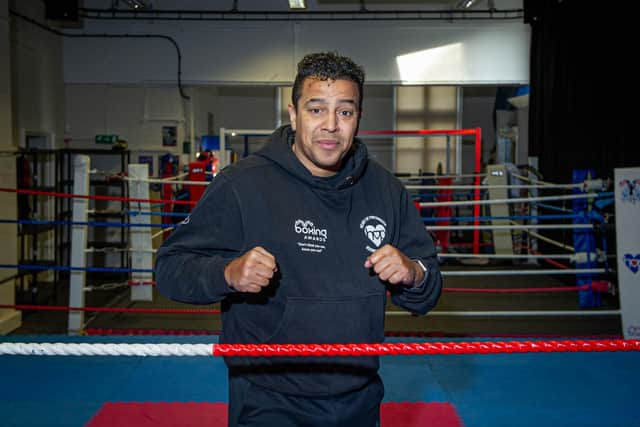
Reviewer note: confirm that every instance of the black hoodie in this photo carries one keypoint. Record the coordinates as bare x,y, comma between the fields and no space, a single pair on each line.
320,232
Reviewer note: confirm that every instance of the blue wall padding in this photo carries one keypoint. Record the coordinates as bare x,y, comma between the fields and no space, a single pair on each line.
584,240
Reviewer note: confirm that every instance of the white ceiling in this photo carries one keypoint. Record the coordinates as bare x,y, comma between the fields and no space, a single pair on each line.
312,5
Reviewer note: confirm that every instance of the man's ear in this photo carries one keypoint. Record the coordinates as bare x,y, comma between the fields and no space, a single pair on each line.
292,116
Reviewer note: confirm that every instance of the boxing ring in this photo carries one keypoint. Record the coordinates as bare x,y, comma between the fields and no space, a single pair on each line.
479,380
529,389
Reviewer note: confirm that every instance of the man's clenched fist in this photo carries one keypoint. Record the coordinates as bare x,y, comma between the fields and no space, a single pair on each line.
252,271
394,267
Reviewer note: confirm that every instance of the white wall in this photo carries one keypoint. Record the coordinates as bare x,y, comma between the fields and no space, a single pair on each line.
37,77
219,58
378,114
31,103
218,54
428,52
9,319
5,79
477,111
135,113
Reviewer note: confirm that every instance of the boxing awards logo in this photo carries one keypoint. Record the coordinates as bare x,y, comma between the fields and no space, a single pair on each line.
313,238
375,229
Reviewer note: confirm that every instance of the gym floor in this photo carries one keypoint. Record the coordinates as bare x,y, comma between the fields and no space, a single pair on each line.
557,389
550,389
45,322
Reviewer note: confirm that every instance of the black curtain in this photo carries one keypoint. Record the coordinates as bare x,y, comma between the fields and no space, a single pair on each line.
582,100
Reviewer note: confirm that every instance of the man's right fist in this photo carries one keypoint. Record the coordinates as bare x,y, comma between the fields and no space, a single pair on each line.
252,271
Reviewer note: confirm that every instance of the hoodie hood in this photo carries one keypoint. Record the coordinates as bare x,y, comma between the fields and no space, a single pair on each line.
278,150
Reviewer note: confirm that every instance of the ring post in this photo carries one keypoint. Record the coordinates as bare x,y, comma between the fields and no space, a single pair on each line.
77,278
497,177
476,194
627,190
584,240
140,237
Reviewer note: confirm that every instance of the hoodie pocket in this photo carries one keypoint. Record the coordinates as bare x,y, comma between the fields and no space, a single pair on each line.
313,320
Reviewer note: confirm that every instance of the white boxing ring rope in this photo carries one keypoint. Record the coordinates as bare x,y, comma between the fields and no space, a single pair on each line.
456,177
514,226
531,180
548,240
174,180
373,134
96,349
487,187
561,271
505,256
510,227
507,201
512,313
119,250
170,180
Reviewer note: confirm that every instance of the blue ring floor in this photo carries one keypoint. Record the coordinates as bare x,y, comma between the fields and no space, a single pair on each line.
549,389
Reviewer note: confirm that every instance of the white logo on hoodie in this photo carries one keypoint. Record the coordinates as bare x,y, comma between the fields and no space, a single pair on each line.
310,231
375,229
312,236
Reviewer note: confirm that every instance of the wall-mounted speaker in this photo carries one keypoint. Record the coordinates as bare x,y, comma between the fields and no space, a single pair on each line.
532,10
62,10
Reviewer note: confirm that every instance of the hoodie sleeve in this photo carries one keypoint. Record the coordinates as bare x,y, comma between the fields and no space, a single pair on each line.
190,264
416,243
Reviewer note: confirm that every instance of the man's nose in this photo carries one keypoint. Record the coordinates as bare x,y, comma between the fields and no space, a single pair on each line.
331,123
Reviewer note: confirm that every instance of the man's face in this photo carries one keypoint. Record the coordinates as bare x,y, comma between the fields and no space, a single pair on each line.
325,120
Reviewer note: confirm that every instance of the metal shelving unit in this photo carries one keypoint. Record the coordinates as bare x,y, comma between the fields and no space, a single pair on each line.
97,185
37,167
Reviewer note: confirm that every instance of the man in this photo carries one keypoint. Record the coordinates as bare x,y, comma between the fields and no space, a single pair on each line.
301,242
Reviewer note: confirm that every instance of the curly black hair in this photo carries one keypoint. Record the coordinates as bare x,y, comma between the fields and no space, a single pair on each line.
327,66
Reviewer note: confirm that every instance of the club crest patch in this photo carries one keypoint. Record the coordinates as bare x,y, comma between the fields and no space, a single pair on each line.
630,190
632,262
375,229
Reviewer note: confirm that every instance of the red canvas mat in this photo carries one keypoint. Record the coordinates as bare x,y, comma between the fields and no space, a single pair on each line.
188,414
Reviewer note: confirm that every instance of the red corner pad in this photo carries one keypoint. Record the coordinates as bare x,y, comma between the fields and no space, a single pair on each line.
188,414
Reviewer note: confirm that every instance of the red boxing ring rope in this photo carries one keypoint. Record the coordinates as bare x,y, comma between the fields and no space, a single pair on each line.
95,197
396,349
110,309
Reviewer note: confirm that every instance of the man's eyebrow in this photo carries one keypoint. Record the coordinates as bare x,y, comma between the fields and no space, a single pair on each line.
316,101
324,101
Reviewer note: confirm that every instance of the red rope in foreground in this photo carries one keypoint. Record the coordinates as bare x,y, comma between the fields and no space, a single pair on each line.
109,309
140,331
517,290
95,197
395,349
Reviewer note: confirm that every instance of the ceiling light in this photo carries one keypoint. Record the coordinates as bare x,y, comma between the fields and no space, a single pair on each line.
297,4
465,4
138,4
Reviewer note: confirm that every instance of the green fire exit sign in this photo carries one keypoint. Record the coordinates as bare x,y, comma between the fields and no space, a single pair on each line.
106,139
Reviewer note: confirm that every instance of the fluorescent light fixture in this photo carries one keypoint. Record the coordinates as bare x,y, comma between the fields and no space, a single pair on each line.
138,4
437,64
297,4
465,4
